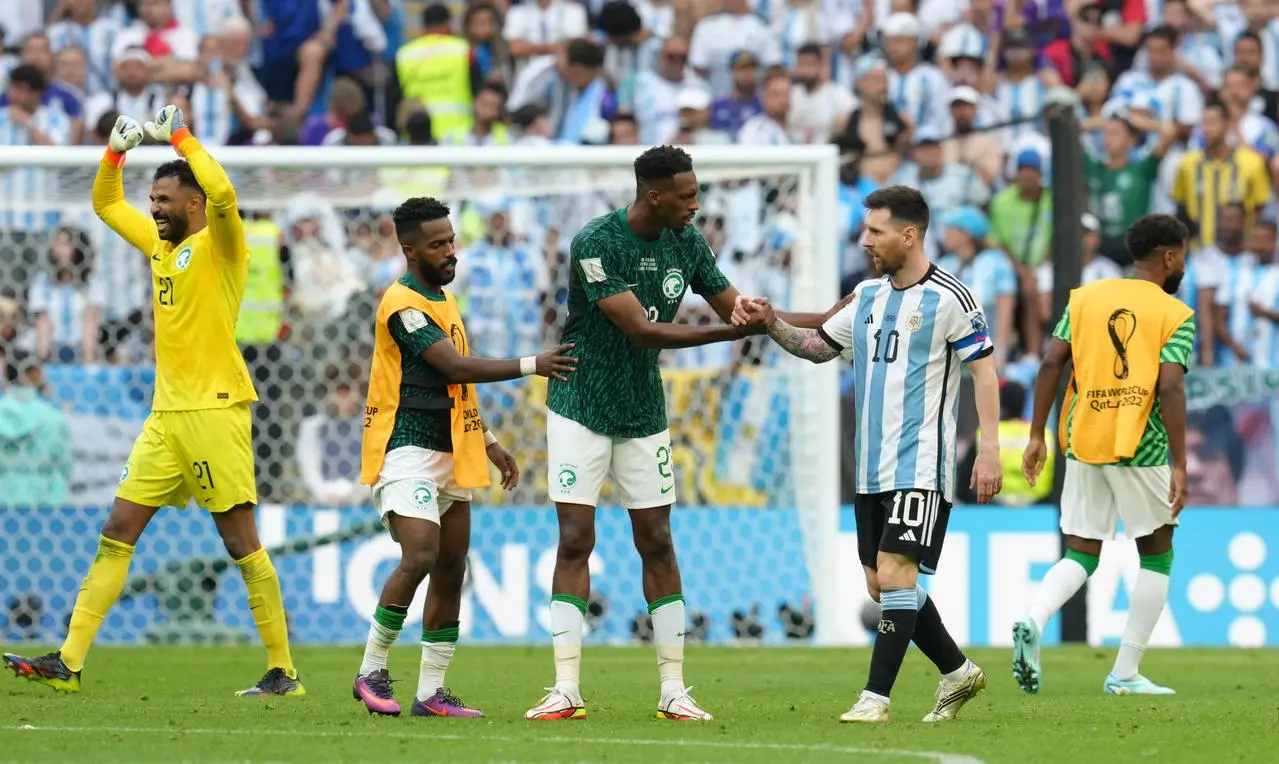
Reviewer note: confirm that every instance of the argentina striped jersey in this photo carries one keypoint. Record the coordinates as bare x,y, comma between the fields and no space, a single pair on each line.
906,347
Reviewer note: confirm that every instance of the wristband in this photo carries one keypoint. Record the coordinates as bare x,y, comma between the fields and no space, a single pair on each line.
528,365
489,438
116,160
178,136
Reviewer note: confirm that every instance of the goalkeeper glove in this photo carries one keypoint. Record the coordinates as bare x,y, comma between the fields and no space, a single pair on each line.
126,134
168,122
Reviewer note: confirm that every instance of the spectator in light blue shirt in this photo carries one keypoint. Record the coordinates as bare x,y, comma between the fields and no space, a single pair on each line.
987,272
946,187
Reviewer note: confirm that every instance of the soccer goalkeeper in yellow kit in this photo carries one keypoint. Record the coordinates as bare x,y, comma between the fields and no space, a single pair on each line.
197,441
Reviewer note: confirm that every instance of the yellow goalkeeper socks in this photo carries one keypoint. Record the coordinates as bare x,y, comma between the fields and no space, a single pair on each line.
101,588
267,605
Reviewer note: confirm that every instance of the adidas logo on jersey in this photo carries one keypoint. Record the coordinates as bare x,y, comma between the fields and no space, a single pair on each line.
870,319
909,536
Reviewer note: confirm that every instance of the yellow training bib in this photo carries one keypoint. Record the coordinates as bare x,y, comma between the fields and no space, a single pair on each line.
470,459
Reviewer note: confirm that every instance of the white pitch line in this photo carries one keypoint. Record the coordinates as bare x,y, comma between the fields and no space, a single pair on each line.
939,757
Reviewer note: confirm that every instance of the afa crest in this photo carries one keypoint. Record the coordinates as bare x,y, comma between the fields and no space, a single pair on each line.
914,321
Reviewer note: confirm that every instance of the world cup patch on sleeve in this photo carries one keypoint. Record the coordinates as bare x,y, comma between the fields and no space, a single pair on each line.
978,321
413,319
593,269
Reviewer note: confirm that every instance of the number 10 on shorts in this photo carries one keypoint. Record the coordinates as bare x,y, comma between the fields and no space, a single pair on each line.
915,509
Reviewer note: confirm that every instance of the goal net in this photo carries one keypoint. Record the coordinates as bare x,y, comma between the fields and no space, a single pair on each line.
755,432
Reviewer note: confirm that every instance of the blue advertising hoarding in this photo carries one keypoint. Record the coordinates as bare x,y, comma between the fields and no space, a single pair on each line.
1225,587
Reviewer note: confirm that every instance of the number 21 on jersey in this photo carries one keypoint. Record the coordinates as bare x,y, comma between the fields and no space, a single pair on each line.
164,291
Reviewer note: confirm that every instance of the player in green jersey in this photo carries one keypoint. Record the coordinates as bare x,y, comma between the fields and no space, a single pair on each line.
630,270
1128,344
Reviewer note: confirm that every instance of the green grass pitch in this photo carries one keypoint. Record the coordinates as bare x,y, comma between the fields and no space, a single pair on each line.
177,704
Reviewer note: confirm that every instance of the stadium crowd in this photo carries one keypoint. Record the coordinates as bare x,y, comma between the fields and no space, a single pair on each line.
1178,101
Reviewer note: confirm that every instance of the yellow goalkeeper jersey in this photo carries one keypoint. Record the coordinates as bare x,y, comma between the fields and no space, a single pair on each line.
197,286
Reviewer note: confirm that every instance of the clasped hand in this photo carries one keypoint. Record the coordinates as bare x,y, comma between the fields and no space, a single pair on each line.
752,314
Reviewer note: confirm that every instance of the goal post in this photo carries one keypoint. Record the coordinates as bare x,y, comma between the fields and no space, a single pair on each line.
755,430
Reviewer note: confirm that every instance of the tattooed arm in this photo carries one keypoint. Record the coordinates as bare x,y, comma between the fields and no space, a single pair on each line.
816,345
809,344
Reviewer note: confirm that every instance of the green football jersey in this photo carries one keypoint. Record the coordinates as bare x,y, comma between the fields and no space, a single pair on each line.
1118,197
414,332
1152,449
617,387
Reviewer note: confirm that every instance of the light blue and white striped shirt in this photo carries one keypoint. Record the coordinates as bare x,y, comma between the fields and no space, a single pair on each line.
120,281
920,95
906,347
213,113
1201,49
502,287
654,100
1265,345
95,40
956,186
31,194
1235,295
795,26
64,304
1022,100
1179,98
205,17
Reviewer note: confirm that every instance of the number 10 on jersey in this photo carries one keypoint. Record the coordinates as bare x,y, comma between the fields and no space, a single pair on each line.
886,345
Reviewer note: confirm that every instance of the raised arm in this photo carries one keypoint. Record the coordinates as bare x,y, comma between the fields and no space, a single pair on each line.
133,225
225,226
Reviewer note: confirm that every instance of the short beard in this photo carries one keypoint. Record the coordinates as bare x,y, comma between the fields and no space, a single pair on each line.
436,275
177,230
887,268
1173,282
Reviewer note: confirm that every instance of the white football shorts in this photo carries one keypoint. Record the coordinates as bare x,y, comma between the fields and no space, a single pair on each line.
416,482
1096,496
579,459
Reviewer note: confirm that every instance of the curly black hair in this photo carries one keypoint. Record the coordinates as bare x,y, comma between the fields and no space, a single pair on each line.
410,215
1152,235
178,168
662,163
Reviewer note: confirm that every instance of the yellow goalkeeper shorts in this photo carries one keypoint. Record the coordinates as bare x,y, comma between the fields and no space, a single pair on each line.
206,455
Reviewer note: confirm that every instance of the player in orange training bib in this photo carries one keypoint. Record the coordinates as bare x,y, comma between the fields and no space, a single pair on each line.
197,442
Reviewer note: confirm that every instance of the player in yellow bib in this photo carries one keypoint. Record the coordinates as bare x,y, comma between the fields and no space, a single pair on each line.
197,441
425,447
1127,343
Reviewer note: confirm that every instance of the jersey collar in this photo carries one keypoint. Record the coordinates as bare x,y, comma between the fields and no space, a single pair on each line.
928,274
